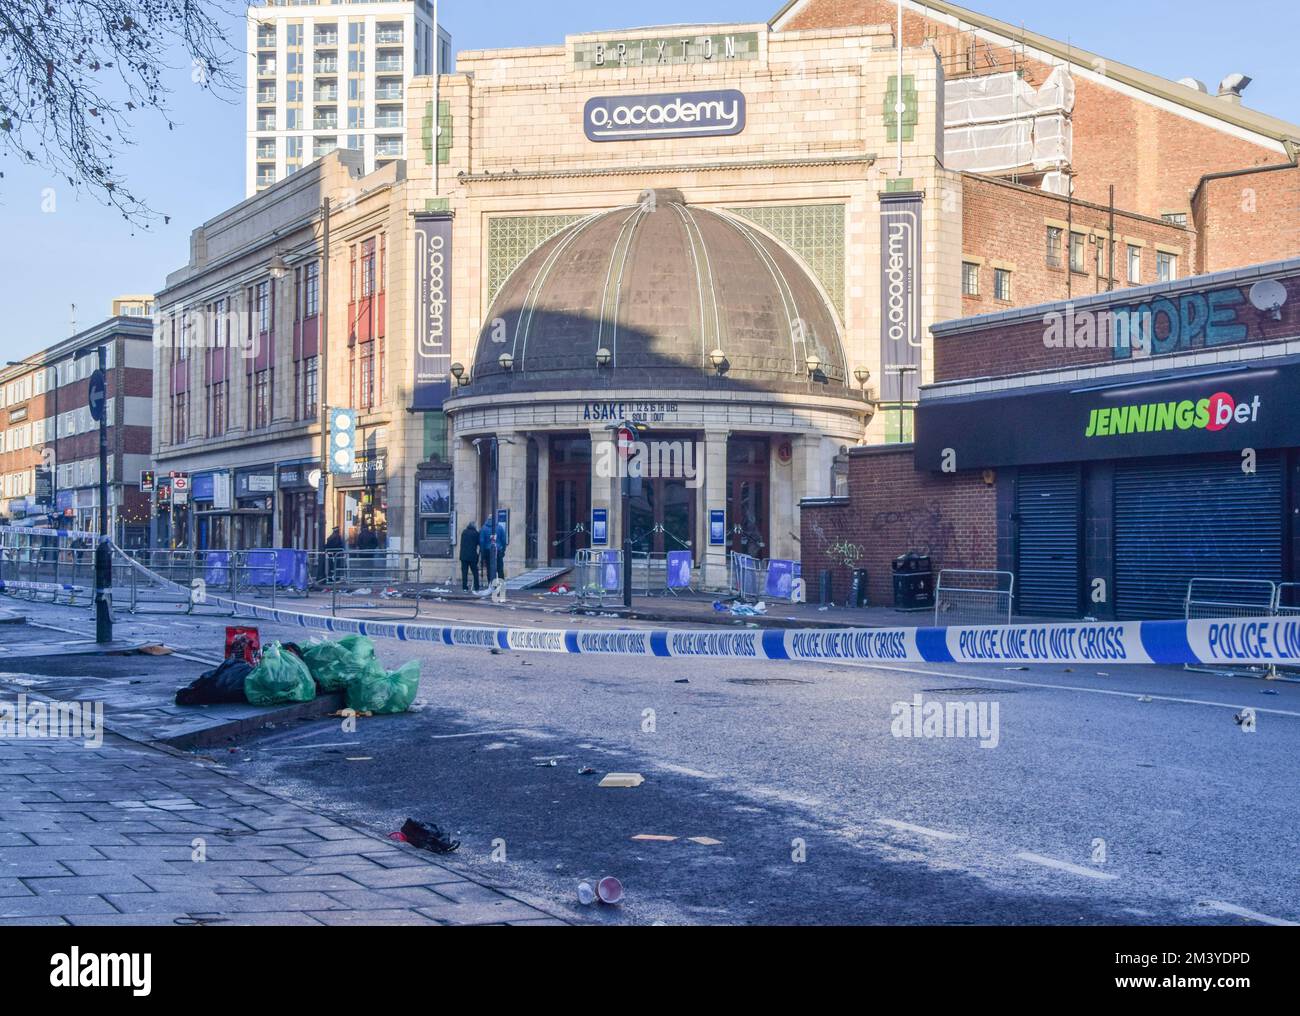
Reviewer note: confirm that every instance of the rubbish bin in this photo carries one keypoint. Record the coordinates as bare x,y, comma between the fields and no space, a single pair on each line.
913,582
858,588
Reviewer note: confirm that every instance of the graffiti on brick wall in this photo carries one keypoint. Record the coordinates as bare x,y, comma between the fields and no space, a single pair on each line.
839,551
922,528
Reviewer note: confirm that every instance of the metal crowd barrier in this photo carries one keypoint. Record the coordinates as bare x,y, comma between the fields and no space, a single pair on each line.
973,596
746,576
1209,597
41,568
598,576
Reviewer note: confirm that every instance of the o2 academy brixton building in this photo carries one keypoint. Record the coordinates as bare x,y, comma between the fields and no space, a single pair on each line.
703,230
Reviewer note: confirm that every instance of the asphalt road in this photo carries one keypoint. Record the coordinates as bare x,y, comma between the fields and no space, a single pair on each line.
1122,796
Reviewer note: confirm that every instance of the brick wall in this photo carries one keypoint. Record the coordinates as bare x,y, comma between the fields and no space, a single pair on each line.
1247,218
1154,157
1005,225
1003,349
892,509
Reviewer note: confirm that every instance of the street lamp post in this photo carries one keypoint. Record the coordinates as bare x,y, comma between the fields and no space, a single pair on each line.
98,394
322,376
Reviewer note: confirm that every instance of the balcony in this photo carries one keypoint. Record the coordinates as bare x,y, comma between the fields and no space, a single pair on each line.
388,148
327,93
388,64
388,35
388,90
266,68
388,118
325,123
266,122
266,149
325,40
266,96
327,65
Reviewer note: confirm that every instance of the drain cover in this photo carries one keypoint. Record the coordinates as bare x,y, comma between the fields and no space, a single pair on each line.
968,691
765,680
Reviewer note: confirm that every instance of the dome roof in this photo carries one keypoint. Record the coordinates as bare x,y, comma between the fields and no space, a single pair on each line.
660,285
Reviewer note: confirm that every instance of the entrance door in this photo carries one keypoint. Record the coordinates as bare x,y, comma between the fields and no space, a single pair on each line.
748,483
663,516
1048,537
569,481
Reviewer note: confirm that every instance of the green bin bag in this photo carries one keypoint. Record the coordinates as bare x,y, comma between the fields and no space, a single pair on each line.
334,664
280,677
381,691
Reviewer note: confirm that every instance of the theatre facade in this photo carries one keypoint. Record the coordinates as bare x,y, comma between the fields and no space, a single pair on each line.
720,233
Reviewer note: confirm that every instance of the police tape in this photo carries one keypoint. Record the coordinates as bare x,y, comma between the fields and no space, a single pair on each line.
1222,641
13,585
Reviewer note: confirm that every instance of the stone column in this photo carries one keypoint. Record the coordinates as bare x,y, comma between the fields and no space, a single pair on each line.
714,559
465,493
807,479
543,499
512,493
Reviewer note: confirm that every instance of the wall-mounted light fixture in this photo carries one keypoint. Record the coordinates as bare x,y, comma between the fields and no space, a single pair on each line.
719,360
507,361
603,356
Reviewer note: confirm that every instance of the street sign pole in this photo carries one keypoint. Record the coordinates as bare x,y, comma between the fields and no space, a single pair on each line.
98,399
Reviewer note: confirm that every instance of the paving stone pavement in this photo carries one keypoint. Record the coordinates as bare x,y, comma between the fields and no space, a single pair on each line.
112,836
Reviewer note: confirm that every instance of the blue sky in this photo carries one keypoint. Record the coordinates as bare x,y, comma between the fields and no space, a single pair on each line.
85,254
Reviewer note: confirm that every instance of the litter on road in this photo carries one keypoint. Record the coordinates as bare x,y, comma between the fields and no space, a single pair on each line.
622,780
426,836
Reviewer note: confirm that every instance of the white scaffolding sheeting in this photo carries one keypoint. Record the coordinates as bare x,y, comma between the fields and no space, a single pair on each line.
1043,142
998,122
1005,96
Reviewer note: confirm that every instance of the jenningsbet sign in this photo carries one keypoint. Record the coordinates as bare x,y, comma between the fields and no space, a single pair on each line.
1238,407
667,115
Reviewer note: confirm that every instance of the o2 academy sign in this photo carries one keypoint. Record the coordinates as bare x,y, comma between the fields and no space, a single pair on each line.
671,115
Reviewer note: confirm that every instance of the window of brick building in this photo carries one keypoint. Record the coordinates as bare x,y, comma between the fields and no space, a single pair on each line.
1055,245
1002,284
1134,264
1166,266
970,279
1175,218
1077,258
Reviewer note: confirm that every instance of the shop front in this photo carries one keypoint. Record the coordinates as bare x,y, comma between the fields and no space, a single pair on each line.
252,518
299,522
1117,491
361,502
211,510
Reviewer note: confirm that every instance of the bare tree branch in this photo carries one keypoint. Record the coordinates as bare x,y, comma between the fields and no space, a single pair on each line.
73,74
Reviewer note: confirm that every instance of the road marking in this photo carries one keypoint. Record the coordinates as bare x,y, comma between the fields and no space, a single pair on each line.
920,830
1074,869
657,838
1230,908
1068,687
480,733
686,771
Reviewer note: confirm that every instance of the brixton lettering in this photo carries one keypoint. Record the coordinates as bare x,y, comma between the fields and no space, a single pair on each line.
1212,414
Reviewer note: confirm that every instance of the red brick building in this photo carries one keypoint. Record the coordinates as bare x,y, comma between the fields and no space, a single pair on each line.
49,443
1105,451
1153,182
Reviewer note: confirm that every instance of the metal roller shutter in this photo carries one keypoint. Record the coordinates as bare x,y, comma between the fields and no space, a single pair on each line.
1176,519
1048,504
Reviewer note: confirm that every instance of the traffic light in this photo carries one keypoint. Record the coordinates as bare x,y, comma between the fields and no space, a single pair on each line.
343,441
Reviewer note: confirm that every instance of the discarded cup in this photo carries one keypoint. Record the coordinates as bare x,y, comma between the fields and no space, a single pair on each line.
586,894
610,890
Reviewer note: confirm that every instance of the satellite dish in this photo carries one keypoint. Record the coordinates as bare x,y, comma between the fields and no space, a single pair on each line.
1268,295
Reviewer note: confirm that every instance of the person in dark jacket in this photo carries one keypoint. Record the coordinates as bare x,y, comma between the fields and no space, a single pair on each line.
469,556
501,551
333,552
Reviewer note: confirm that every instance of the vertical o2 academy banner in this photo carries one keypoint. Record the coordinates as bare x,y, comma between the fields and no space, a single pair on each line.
432,311
900,296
